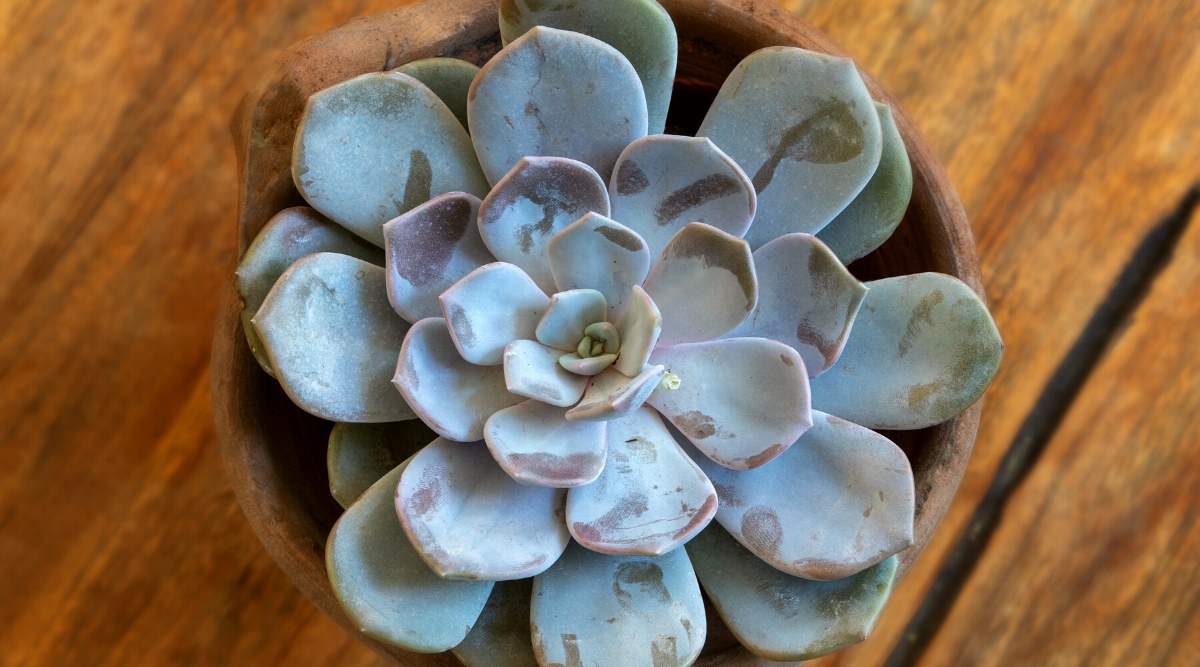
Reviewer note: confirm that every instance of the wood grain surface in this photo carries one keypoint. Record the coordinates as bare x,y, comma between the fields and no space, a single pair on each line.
1070,127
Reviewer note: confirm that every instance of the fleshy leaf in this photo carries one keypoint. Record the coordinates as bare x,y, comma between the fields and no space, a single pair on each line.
784,618
293,233
923,349
640,29
490,308
377,146
804,128
569,313
663,182
741,401
451,395
600,254
384,585
704,284
552,92
877,211
532,203
650,498
429,249
611,394
333,338
806,299
632,611
501,638
586,365
639,327
536,444
838,501
359,454
532,370
470,520
449,78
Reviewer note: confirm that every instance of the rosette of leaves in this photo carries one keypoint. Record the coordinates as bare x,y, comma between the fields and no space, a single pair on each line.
614,336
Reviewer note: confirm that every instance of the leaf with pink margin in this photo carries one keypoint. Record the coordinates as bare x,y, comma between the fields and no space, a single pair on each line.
451,395
612,395
651,497
741,401
536,444
600,254
806,299
470,520
703,283
532,370
490,308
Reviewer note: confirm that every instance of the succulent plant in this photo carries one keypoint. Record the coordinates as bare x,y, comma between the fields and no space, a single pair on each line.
616,336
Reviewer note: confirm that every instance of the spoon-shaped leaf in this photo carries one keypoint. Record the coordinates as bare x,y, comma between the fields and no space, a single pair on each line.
600,254
532,369
536,444
360,454
449,78
569,313
490,308
612,395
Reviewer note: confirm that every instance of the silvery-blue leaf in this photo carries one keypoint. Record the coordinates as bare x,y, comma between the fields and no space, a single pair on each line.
806,299
532,370
569,313
650,498
741,401
837,501
333,339
377,146
470,520
804,128
449,78
611,394
663,182
600,254
290,235
876,212
703,283
639,327
451,395
501,638
490,308
552,92
536,444
923,349
359,454
784,618
640,29
532,203
384,585
429,249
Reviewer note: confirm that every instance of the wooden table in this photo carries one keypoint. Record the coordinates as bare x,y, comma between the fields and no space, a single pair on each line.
1070,128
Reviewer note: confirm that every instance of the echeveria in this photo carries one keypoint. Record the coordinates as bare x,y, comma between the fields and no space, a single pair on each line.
618,338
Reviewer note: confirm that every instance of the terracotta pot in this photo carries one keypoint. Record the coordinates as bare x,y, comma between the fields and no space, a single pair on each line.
275,454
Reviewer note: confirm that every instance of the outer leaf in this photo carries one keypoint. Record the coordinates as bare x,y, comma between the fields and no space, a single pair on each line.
359,454
595,609
500,638
385,587
536,445
377,146
600,254
449,78
923,349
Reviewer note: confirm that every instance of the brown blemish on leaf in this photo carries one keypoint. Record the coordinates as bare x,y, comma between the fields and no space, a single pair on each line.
646,576
764,456
571,651
700,518
547,466
420,181
701,192
867,512
461,324
631,180
564,193
829,136
423,245
922,313
730,496
881,496
720,250
787,360
624,238
663,652
601,530
696,424
428,495
762,530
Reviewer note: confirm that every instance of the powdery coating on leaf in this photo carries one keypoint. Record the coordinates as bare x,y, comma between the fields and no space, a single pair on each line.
640,29
332,338
612,395
784,618
536,445
384,585
805,127
650,498
552,92
569,313
291,234
639,327
837,501
532,370
359,454
876,212
923,349
704,284
597,253
470,520
500,638
429,249
451,395
449,78
664,182
742,401
491,307
807,299
376,146
532,203
592,608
